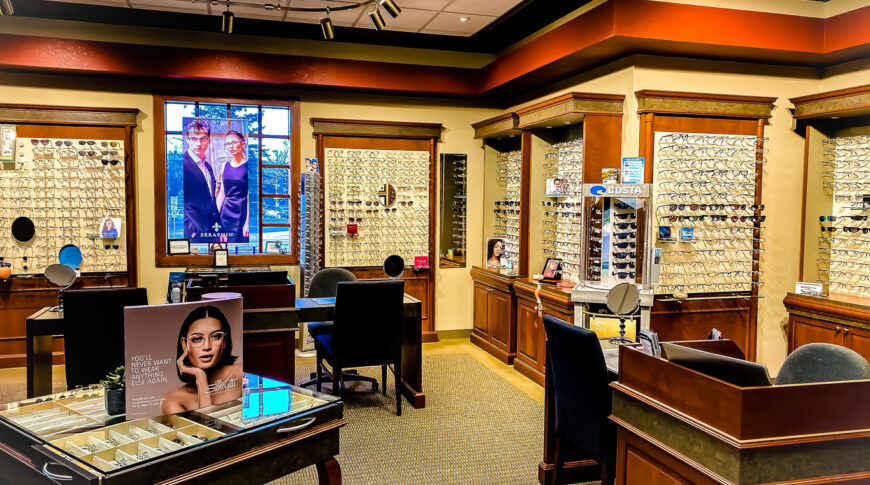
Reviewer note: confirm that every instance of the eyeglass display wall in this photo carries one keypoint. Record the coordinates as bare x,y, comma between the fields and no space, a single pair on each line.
378,182
310,227
67,189
705,159
454,213
70,189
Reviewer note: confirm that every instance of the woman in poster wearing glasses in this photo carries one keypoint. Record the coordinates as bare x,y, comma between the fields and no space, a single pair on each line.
232,201
207,367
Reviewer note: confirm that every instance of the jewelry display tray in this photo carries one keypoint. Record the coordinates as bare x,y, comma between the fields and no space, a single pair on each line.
69,434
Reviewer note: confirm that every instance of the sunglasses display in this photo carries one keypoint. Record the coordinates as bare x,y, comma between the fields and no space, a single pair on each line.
376,204
64,188
845,233
705,184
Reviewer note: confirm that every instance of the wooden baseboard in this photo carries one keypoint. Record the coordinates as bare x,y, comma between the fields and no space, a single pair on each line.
430,336
463,334
500,354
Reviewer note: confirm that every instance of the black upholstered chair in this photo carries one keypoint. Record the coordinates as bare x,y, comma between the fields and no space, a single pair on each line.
579,380
324,284
820,362
94,336
366,332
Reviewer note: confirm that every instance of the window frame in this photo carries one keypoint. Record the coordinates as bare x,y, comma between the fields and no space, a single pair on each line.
162,259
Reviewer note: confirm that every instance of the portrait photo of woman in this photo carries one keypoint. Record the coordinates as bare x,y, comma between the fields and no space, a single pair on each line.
109,230
232,200
205,363
494,252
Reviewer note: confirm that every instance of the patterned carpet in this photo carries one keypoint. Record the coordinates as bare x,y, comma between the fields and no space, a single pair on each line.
476,429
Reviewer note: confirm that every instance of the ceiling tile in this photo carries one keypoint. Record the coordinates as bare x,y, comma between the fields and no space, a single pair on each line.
410,20
449,22
423,4
342,17
495,8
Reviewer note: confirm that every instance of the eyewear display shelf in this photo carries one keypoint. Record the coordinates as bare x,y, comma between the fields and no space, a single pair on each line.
535,162
72,168
835,249
378,186
684,426
704,155
273,430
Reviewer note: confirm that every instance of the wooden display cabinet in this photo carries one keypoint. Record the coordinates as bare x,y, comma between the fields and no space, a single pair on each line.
531,359
734,313
495,314
836,319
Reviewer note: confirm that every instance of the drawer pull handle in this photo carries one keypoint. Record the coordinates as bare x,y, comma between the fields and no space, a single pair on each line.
838,330
54,476
307,423
845,330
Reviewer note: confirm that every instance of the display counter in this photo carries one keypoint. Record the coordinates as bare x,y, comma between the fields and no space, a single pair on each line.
273,430
834,319
676,425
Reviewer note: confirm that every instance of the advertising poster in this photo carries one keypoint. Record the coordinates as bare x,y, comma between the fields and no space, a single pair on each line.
183,356
216,188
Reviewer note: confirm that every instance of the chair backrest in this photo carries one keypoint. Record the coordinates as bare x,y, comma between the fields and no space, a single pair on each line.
325,282
580,387
94,335
368,323
820,362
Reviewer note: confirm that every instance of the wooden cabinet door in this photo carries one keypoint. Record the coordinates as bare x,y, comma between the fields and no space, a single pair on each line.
858,340
529,334
805,331
481,310
499,318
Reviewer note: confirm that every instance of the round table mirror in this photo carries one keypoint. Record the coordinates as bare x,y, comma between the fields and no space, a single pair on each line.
23,229
394,266
70,255
63,276
623,299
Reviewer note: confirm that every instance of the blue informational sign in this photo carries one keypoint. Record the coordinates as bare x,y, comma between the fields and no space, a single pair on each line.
632,170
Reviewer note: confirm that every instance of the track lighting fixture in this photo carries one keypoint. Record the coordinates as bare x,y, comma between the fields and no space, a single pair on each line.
326,26
6,7
375,14
227,20
391,7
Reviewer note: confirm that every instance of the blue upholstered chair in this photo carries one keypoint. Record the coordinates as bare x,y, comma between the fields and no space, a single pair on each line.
579,379
819,362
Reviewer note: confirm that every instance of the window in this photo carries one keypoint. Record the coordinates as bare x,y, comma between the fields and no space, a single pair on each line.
229,179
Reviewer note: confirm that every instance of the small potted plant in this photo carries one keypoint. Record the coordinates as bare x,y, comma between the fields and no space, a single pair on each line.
114,386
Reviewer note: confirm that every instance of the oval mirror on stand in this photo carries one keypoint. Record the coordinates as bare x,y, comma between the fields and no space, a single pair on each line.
62,276
623,300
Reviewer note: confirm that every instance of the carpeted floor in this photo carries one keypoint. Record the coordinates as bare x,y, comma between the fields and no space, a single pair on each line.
476,428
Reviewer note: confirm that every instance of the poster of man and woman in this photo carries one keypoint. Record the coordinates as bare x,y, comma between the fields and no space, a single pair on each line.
215,174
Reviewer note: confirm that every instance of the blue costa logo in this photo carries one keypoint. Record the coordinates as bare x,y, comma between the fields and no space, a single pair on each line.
598,189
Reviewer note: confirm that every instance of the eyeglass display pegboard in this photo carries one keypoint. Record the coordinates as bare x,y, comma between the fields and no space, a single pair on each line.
310,227
68,188
844,239
376,205
709,223
563,206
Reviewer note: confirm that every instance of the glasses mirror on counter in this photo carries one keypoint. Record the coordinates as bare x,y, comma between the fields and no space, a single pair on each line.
453,210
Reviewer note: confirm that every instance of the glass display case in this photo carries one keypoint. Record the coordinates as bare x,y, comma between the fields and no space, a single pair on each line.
72,431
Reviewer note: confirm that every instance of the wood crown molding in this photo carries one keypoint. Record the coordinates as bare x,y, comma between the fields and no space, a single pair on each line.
497,126
569,108
842,102
386,129
724,105
68,115
493,278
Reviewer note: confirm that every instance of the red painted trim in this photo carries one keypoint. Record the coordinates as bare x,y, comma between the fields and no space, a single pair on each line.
612,30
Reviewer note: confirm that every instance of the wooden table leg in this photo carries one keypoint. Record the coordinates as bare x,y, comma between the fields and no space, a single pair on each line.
329,472
412,360
39,379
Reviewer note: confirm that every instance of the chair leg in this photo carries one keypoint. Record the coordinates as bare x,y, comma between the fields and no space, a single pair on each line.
336,381
318,371
384,379
398,392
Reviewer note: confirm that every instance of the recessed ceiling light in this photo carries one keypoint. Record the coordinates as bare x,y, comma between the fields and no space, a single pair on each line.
463,19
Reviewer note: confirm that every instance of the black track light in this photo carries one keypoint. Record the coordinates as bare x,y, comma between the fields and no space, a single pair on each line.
6,7
391,7
326,26
375,15
227,20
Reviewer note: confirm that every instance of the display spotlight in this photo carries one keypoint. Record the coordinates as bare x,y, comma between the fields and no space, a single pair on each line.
326,25
377,19
6,7
227,21
391,7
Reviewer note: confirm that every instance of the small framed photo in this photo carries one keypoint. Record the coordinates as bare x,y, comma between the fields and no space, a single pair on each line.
556,187
212,247
494,250
552,269
221,256
666,233
7,143
274,247
687,234
179,246
110,228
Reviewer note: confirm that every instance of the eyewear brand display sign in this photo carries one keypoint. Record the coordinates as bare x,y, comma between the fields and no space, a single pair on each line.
616,190
215,177
632,170
183,356
7,143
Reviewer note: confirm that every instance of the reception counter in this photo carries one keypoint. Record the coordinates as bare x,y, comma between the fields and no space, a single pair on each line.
678,426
